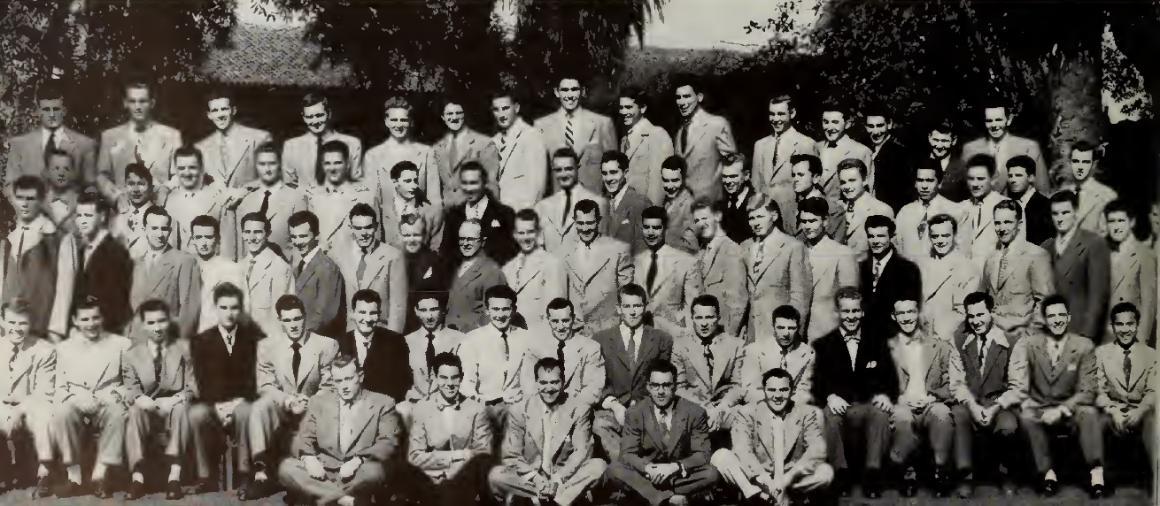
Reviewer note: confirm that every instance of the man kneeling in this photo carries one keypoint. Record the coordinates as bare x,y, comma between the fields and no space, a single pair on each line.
342,468
778,448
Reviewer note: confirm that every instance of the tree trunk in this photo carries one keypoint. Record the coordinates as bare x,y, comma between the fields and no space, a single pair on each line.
1077,114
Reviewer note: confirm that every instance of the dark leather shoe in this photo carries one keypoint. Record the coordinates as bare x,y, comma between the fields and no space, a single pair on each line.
70,489
173,491
872,485
1098,491
136,491
909,486
44,487
204,487
941,482
1049,488
103,490
256,489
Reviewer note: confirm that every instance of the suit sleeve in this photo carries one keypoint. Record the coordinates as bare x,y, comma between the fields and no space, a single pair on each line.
1018,376
581,445
289,174
325,357
1147,296
815,452
189,291
594,378
801,283
1086,385
625,270
725,143
397,303
684,388
480,434
470,385
803,390
630,441
1102,387
699,448
419,451
13,168
306,440
1098,289
189,393
46,376
266,376
821,388
661,148
741,432
357,169
1043,181
67,265
750,375
386,437
511,452
131,381
1042,282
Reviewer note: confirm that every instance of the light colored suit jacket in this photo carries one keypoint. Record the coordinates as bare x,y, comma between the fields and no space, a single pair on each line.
446,341
1009,147
557,231
332,205
300,156
32,374
434,436
1133,280
1093,197
681,233
782,277
389,218
584,376
595,273
946,282
274,366
722,274
385,273
570,446
537,278
268,277
709,138
677,282
229,158
765,354
375,427
522,176
128,226
174,278
865,207
832,156
719,385
942,369
284,201
470,145
832,266
154,147
979,227
1115,391
1020,289
771,156
753,439
912,235
176,377
646,146
592,135
85,366
26,154
380,159
184,205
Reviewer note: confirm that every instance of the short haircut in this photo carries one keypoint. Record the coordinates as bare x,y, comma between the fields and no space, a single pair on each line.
787,312
848,293
227,289
816,206
398,169
815,163
288,302
730,159
84,303
268,147
1023,161
763,201
311,99
943,127
16,306
1116,206
366,295
205,220
504,92
343,359
706,300
258,217
1052,300
413,219
151,305
188,151
636,94
62,153
931,164
216,93
566,152
30,182
1125,307
662,366
96,200
1011,205
157,211
137,83
777,372
877,109
365,210
853,163
335,146
778,98
615,156
677,163
1065,196
944,218
499,292
446,359
438,296
300,217
559,303
977,297
50,90
1083,145
685,79
587,206
473,165
138,169
878,221
995,102
704,203
396,103
655,213
631,290
835,105
547,364
982,160
528,214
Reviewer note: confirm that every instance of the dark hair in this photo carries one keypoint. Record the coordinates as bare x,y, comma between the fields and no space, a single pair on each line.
205,220
445,359
83,303
437,295
662,366
187,151
268,147
944,127
335,146
96,200
366,295
704,203
1083,145
586,206
300,217
227,289
547,364
343,359
877,109
995,102
559,303
706,300
473,165
1011,205
528,214
17,306
396,103
504,92
944,218
50,90
977,297
730,159
778,98
776,372
398,169
151,305
816,206
365,210
288,302
853,163
685,79
1119,206
636,94
815,163
1125,307
878,221
138,169
258,217
835,105
930,164
655,213
157,211
1065,196
982,160
615,156
62,153
312,98
499,292
216,93
1052,300
1023,161
677,163
631,290
30,182
787,312
137,83
566,152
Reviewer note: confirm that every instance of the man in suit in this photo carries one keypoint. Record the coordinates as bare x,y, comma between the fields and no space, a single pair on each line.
302,163
929,371
715,259
193,195
535,275
224,359
776,267
30,253
292,365
586,133
942,139
379,353
1125,382
229,150
836,146
159,385
402,195
555,211
141,139
1061,371
268,276
1036,206
579,356
854,375
317,279
624,203
479,204
806,171
1092,194
26,413
597,268
522,175
91,262
703,139
859,205
832,266
884,277
547,448
1001,145
627,349
913,220
89,396
424,344
459,145
269,196
664,455
979,209
375,265
786,349
27,153
988,398
168,274
400,146
64,185
347,436
1018,275
670,275
646,145
128,223
493,356
773,154
449,448
678,204
778,449
736,194
1133,267
890,177
1081,263
215,268
708,362
947,278
474,275
338,193
427,270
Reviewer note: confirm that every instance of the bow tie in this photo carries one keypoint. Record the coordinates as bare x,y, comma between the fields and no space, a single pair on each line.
852,338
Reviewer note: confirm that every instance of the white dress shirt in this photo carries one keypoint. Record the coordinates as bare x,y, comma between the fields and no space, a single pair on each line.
631,338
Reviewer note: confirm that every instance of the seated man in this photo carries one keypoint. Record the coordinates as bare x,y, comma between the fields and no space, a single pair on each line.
26,410
664,452
424,344
89,397
158,376
708,362
547,449
787,349
346,436
1125,375
450,444
778,449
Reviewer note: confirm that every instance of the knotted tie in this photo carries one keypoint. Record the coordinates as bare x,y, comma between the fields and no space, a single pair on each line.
568,133
567,205
684,136
876,265
319,174
1127,365
1003,265
429,355
301,267
296,359
632,347
925,216
506,348
651,277
50,146
224,151
663,419
362,264
773,163
982,350
560,353
157,363
12,359
708,356
265,206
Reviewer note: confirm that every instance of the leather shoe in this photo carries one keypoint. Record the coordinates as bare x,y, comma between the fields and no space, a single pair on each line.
136,491
909,486
103,490
1097,491
44,486
1049,488
872,487
173,491
69,489
965,490
204,487
256,489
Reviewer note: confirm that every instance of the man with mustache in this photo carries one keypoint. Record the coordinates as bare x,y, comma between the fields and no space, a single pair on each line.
1133,268
668,274
459,145
379,162
979,210
536,275
890,175
947,277
333,198
26,411
229,152
522,174
832,266
586,133
678,204
1018,275
268,195
836,146
703,139
555,211
1081,262
859,204
773,154
646,145
716,260
913,219
941,139
27,152
1036,206
140,140
1001,145
1092,194
196,194
302,156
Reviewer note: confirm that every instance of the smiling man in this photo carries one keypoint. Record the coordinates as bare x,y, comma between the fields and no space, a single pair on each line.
404,195
776,267
1133,268
431,339
26,154
714,259
229,151
555,211
536,275
670,275
268,275
1092,194
270,196
139,140
678,204
92,262
859,203
890,174
128,224
646,145
586,133
459,145
318,280
26,411
168,274
947,277
371,263
522,173
480,204
302,162
399,147
1018,275
708,362
379,353
999,143
334,197
215,268
1081,262
832,266
31,246
604,261
624,203
196,194
786,349
492,356
836,146
475,273
773,154
736,193
979,209
702,139
913,219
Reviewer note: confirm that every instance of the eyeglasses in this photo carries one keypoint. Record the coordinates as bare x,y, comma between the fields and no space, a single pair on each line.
468,239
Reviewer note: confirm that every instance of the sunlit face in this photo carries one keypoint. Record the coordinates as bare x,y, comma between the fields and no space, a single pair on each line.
1120,226
905,314
833,125
878,238
51,113
613,176
630,111
996,121
688,100
412,236
785,331
979,318
568,92
803,179
564,170
850,314
733,178
156,325
221,113
526,233
1082,163
780,116
705,320
761,221
16,326
777,392
706,222
365,315
407,184
59,172
1018,181
157,229
549,384
631,310
499,311
1058,318
940,144
189,171
347,381
430,313
653,232
1062,216
1154,218
1006,225
204,241
88,220
447,380
470,240
586,225
504,109
978,182
1124,326
317,118
303,239
254,234
671,182
811,225
851,184
878,128
561,322
362,228
88,322
662,388
453,117
926,184
942,238
398,122
335,168
229,311
471,185
137,189
269,168
293,323
27,204
138,103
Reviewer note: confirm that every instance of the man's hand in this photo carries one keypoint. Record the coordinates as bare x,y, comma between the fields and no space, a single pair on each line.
145,402
1132,418
837,405
314,467
346,472
714,414
882,402
549,488
413,395
618,411
85,401
298,405
766,483
667,471
978,413
1051,415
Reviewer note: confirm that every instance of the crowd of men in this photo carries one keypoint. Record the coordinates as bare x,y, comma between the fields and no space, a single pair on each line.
564,311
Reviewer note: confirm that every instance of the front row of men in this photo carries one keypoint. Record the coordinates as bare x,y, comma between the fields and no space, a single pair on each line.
498,410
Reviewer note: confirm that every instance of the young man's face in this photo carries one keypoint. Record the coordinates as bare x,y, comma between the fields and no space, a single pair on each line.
430,313
612,175
1062,216
850,314
1058,318
706,222
761,221
1120,226
1124,326
996,121
204,241
347,381
499,311
269,168
978,182
777,392
780,116
139,104
471,185
942,238
671,182
733,178
630,111
833,125
662,388
1154,218
803,179
60,172
705,320
335,167
926,184
979,318
316,117
785,331
254,236
561,322
365,315
504,109
1082,163
51,112
447,380
16,326
851,184
156,325
88,322
564,169
549,384
526,234
412,236
27,203
631,310
303,239
407,184
157,230
1006,225
138,189
586,225
568,92
293,323
688,101
229,311
878,238
88,220
453,117
812,225
188,171
878,128
398,122
221,113
470,240
905,314
940,144
1018,181
363,230
653,232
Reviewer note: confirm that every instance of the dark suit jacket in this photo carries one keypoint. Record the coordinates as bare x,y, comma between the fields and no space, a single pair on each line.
735,219
386,370
220,375
1083,276
626,380
323,292
872,374
466,309
954,182
498,222
623,221
427,271
108,276
645,442
900,277
33,278
893,175
988,384
1037,216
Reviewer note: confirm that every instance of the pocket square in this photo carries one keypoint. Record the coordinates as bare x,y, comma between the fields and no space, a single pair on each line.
625,222
495,223
872,364
427,274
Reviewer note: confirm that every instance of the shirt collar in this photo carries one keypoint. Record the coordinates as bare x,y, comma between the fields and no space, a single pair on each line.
310,254
885,258
101,234
625,331
441,403
846,335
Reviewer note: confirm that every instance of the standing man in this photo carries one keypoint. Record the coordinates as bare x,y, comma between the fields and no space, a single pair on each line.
597,268
480,204
381,160
885,277
195,194
431,339
715,260
670,275
28,153
1001,145
128,223
375,265
493,356
579,356
1125,382
318,280
302,163
427,270
27,410
215,268
555,211
229,151
942,140
522,175
404,197
1036,206
624,203
859,204
836,146
645,144
786,349
832,266
979,210
736,194
773,154
1081,263
333,199
806,170
1133,268
459,145
776,267
586,133
1092,194
1018,275
168,274
378,353
271,197
30,266
141,140
890,174
703,139
678,204
268,276
913,220
535,275
708,362
947,278
474,275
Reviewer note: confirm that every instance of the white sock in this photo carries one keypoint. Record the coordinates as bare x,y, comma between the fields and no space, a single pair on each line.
42,471
1098,475
260,476
174,472
1050,475
138,477
74,474
98,471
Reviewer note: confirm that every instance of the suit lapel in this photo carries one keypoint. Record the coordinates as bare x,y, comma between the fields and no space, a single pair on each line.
947,274
1130,266
362,420
773,251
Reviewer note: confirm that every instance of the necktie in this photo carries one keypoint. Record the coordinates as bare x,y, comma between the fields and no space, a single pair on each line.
651,277
1054,349
624,143
230,343
319,175
454,154
506,350
20,242
877,271
684,137
250,267
502,147
301,267
773,163
567,205
1003,265
265,206
224,151
758,256
632,347
979,215
709,357
157,363
663,419
569,133
982,350
429,355
296,359
12,359
922,224
50,146
1127,365
779,448
362,264
849,207
560,353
